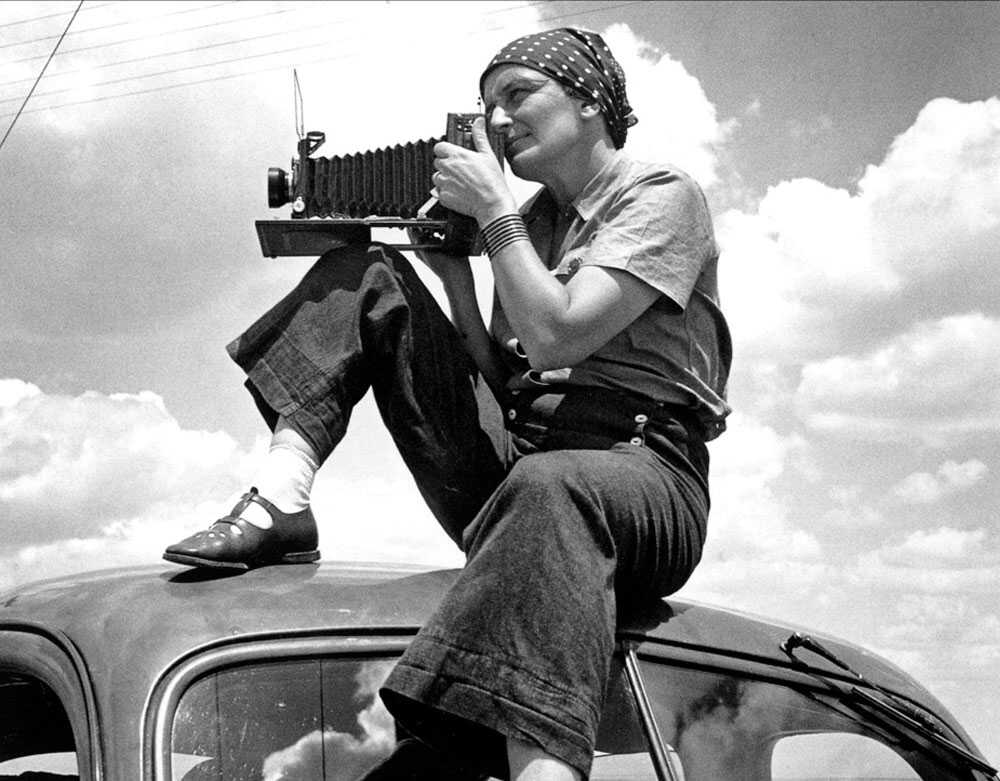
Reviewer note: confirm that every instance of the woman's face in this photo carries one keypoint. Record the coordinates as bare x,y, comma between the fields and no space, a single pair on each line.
541,123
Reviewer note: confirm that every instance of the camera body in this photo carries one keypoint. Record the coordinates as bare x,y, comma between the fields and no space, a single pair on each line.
338,200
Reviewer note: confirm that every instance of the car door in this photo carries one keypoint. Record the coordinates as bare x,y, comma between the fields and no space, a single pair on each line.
47,711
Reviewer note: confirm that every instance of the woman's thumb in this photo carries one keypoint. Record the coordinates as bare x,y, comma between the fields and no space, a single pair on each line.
479,135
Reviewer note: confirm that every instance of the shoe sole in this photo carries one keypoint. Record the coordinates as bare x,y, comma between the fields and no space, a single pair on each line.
303,557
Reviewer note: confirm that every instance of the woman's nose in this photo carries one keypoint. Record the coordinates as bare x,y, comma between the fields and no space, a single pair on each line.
499,120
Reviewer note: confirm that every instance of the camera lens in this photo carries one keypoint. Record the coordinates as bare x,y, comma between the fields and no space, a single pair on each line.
277,187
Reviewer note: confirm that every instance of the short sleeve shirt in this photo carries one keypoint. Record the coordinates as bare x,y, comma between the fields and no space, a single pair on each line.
650,220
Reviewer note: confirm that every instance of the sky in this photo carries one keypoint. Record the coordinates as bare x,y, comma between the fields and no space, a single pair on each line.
850,153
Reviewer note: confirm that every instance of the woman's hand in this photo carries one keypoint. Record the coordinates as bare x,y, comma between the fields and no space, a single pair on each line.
471,181
447,268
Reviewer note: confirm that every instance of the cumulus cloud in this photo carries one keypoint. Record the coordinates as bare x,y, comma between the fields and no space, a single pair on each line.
346,757
927,488
969,628
99,480
815,266
962,565
73,466
677,121
937,378
748,517
755,555
936,196
944,545
940,588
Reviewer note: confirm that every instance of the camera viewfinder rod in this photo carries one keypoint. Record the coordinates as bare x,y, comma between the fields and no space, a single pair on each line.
300,112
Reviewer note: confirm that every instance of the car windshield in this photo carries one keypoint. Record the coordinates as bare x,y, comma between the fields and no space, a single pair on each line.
322,719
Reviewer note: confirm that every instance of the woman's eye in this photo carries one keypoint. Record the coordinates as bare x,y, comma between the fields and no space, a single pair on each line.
515,96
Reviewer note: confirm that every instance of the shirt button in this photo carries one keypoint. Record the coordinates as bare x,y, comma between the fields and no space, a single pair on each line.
635,441
511,414
640,418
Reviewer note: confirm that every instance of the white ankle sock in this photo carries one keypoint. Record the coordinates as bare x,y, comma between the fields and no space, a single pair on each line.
285,479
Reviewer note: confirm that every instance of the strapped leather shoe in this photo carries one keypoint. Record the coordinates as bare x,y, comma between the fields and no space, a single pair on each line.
233,543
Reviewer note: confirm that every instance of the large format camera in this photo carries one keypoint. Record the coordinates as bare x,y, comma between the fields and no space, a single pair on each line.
338,200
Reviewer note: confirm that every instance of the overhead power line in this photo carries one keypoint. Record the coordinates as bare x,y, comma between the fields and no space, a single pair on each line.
267,69
147,57
181,69
157,35
40,74
91,7
63,52
340,21
119,24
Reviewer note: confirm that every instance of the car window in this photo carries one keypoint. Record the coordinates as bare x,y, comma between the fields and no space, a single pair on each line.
36,739
314,719
322,719
836,755
721,726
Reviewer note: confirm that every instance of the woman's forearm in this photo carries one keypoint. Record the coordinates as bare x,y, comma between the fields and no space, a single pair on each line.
460,289
536,304
560,325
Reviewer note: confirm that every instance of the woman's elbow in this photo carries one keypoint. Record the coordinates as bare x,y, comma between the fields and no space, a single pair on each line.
554,355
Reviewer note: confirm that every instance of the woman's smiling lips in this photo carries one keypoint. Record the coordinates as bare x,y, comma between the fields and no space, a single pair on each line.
516,143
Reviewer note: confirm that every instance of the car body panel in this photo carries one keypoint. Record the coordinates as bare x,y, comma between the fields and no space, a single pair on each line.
132,627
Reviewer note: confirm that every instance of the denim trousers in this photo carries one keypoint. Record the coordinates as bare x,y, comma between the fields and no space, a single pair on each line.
571,505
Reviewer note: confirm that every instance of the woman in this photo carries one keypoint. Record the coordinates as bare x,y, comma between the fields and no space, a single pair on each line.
563,450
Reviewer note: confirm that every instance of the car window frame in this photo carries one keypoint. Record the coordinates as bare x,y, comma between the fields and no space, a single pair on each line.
50,657
165,695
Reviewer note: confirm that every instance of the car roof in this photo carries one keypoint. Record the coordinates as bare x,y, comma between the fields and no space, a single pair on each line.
146,618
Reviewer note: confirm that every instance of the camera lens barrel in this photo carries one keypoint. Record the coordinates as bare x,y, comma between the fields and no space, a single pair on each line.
278,187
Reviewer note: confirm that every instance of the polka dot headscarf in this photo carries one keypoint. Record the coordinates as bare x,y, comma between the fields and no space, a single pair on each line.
579,60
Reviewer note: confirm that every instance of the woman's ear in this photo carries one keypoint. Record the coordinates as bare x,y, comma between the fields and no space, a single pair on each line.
589,109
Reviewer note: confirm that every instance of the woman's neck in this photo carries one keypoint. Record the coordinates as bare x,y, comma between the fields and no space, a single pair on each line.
574,174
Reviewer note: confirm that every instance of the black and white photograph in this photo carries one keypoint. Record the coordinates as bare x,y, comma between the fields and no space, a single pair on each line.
541,390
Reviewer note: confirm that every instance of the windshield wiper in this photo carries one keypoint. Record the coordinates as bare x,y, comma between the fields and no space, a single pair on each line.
890,709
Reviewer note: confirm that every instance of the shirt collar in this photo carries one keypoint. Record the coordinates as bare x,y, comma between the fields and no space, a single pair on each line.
590,197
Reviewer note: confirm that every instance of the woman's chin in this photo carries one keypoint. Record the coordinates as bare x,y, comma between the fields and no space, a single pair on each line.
520,164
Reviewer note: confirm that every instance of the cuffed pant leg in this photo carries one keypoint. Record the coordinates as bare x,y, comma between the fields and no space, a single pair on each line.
522,644
359,319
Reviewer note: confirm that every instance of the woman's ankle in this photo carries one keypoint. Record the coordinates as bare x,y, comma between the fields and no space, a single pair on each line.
285,476
530,763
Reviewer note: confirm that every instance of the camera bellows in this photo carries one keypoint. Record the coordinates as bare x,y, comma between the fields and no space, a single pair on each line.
389,182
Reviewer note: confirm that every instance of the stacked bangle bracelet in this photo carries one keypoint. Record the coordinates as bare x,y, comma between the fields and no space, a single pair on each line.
503,231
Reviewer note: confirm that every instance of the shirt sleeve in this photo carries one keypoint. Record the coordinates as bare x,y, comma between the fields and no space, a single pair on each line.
658,229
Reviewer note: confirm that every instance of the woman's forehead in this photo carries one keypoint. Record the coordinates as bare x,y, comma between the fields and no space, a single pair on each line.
504,75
